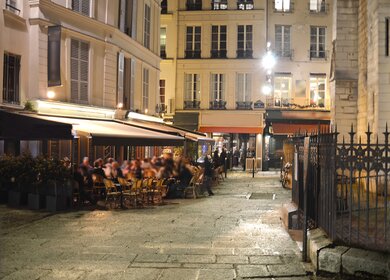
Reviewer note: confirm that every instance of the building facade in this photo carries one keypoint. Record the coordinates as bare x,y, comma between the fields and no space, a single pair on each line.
213,76
361,67
80,57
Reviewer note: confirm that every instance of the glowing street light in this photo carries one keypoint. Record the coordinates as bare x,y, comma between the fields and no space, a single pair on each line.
266,89
268,61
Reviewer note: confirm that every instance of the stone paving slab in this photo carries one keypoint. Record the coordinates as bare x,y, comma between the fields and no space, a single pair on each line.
252,271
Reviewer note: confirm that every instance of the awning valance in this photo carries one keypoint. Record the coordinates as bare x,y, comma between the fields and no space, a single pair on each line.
226,129
292,128
101,131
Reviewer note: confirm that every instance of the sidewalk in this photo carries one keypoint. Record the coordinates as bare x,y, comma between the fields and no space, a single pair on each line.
235,234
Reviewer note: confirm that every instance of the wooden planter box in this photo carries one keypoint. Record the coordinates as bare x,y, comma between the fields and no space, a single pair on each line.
56,203
36,201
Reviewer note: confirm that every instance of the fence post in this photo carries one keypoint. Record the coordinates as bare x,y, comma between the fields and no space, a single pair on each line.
305,189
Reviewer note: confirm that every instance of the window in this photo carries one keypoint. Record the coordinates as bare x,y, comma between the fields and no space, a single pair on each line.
245,5
79,68
147,26
282,40
191,91
194,5
145,90
217,87
161,108
317,6
219,5
164,7
82,6
11,70
193,41
163,42
126,17
11,5
282,88
218,41
244,91
317,90
283,6
132,83
317,42
244,41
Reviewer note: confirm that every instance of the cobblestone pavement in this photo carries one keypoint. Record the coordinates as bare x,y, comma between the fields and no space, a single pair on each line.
227,236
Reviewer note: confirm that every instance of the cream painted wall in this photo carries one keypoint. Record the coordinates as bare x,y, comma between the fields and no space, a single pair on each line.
26,35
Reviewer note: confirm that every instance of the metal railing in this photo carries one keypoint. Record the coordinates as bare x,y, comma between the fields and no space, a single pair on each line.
318,55
191,54
191,6
217,5
218,53
244,105
348,187
161,108
244,53
191,105
217,105
284,53
9,5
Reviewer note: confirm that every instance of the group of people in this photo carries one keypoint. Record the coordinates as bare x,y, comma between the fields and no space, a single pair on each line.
182,170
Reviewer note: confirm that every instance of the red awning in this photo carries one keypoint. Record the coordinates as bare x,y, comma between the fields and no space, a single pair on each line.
224,129
292,128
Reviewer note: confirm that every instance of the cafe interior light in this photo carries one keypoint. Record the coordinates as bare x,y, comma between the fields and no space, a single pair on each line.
119,105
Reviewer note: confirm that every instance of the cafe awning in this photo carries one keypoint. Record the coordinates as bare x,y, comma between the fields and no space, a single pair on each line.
165,128
101,131
293,128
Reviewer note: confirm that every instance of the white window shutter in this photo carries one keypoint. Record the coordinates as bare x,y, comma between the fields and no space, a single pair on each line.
121,65
248,87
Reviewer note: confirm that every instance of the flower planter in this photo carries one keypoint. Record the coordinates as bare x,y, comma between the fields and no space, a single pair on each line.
56,203
36,201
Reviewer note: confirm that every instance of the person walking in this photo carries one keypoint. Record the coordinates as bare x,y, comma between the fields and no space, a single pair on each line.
222,159
216,159
208,175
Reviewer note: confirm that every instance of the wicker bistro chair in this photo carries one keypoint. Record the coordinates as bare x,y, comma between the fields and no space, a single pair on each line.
128,196
137,192
194,187
112,195
99,187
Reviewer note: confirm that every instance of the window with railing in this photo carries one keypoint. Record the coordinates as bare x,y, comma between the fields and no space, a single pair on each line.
219,5
163,42
317,90
317,42
82,6
318,6
164,6
283,6
244,41
218,41
193,42
191,91
244,91
283,40
217,93
245,5
12,5
194,5
282,90
11,78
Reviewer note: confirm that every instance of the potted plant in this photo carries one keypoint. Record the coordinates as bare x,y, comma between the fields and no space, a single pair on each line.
55,177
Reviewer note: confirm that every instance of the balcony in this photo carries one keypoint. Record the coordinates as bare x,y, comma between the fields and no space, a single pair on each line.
11,6
191,54
322,8
217,105
218,53
191,6
288,103
191,105
244,105
277,102
245,5
284,53
161,108
244,53
318,55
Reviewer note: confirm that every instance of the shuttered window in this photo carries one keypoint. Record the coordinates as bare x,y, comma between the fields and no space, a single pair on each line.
145,90
243,87
79,68
82,7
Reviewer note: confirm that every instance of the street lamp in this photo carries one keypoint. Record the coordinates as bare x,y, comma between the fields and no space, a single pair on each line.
268,62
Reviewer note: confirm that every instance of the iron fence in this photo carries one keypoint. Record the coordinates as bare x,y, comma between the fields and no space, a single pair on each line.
348,190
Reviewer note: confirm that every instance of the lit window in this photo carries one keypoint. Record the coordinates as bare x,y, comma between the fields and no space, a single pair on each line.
219,5
317,6
245,5
283,5
317,90
282,88
163,42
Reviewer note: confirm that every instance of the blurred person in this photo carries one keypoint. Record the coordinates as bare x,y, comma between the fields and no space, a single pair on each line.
85,163
208,175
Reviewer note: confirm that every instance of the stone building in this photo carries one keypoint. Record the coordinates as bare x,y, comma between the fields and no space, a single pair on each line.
80,57
361,66
212,75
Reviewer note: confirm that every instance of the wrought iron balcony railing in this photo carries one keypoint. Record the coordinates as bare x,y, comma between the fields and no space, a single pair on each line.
218,53
191,104
283,53
321,8
191,6
244,53
191,54
217,105
277,102
244,105
245,5
161,108
11,6
219,5
321,55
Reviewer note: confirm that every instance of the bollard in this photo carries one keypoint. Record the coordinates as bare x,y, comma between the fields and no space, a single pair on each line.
253,168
